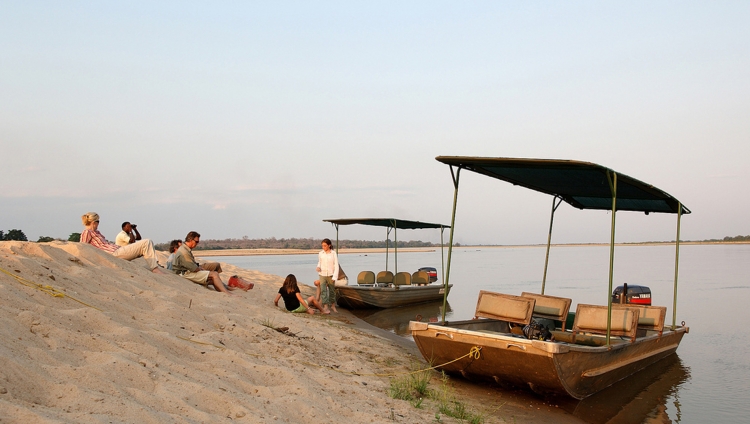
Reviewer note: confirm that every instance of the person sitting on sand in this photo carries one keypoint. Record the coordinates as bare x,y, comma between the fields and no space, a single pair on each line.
173,246
184,264
128,235
92,236
293,299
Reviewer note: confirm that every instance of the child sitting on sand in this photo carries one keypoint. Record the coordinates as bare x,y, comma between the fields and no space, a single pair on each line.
293,299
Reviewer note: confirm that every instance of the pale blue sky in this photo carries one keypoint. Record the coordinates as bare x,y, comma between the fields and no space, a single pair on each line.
263,119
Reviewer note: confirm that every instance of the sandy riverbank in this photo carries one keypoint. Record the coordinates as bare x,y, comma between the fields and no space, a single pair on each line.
126,345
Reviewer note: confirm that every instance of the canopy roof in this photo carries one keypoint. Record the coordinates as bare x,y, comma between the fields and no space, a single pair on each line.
387,222
583,185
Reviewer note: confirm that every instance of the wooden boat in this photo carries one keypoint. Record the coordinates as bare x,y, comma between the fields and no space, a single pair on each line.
362,297
606,344
396,292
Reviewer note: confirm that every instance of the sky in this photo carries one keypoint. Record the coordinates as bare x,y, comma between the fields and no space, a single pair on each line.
262,119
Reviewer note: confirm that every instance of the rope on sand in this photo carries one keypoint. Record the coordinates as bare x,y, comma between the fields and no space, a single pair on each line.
45,288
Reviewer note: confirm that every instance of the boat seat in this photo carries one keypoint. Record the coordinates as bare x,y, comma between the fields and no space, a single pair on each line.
504,307
420,278
366,278
402,279
593,319
650,317
384,278
550,307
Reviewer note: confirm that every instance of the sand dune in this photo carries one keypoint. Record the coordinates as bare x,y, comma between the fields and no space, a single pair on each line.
126,345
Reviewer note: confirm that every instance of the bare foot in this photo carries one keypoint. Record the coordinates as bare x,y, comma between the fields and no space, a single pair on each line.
334,310
158,270
326,310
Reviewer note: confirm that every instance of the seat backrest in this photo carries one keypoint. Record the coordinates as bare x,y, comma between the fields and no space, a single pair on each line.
504,307
650,317
366,278
550,307
384,277
420,278
402,279
593,319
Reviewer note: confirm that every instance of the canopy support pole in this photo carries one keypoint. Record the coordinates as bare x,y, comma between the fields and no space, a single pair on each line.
442,250
549,237
337,239
395,247
676,265
455,176
612,179
387,234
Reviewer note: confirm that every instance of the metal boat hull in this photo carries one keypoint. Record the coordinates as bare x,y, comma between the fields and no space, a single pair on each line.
363,297
545,367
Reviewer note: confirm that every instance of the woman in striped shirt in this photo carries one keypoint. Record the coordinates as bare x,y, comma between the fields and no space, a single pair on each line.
145,247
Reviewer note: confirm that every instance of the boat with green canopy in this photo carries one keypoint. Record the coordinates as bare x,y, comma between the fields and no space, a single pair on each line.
527,340
390,289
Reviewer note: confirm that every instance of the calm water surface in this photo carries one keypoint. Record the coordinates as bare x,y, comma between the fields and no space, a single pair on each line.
707,381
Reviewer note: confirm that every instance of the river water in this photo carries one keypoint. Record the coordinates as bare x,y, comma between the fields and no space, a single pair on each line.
706,381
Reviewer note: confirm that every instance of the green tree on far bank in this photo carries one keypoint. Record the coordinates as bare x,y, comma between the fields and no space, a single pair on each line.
76,237
44,239
15,235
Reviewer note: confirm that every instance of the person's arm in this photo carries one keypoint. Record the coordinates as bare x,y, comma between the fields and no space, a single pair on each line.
276,301
335,266
319,259
301,301
137,235
181,262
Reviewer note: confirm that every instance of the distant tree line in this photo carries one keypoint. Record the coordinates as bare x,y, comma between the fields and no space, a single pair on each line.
727,238
296,243
19,235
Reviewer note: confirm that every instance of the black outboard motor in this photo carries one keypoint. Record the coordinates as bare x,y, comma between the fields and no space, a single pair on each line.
637,295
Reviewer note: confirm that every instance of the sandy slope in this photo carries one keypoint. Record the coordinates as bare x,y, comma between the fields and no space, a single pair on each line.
125,357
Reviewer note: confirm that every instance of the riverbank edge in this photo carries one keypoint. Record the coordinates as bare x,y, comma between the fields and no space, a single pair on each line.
261,252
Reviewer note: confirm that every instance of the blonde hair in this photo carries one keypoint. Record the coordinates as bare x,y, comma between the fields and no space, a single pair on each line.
89,217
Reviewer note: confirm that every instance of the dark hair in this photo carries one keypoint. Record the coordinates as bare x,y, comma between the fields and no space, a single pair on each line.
124,224
328,242
290,284
174,245
192,235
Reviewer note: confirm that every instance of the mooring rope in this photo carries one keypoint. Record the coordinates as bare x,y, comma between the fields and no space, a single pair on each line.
45,288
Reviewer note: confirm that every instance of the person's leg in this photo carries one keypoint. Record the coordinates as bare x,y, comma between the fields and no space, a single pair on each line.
143,248
314,302
325,290
211,266
216,281
331,294
317,290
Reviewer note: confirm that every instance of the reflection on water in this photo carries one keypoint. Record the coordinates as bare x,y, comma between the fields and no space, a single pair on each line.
397,319
643,397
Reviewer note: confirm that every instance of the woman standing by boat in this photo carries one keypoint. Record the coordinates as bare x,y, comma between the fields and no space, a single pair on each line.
328,271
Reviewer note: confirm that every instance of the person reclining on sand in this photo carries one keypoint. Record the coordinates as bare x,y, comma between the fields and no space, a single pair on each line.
128,235
92,236
293,299
184,264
